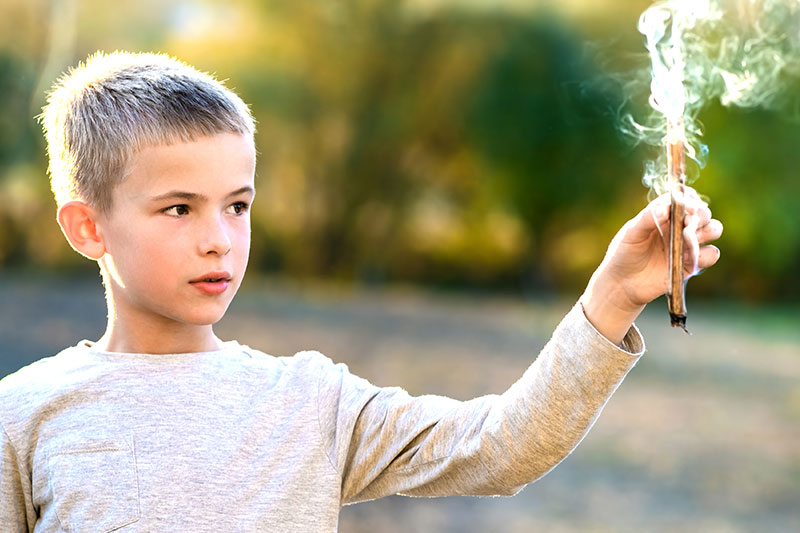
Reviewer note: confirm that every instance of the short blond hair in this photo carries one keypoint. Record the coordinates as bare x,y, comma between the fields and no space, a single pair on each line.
101,113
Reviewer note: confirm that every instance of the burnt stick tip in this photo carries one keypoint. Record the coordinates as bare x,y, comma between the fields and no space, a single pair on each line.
678,321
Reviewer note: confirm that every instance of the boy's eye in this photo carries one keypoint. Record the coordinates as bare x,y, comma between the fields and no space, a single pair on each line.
176,210
238,208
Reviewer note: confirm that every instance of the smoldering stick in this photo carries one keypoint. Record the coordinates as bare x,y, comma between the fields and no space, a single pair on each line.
676,168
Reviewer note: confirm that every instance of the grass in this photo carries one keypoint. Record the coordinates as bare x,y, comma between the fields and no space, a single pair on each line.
702,436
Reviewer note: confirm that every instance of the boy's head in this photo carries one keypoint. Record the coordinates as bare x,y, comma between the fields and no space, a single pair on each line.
152,164
107,109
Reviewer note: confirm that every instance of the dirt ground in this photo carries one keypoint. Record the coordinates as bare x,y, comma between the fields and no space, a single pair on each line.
702,436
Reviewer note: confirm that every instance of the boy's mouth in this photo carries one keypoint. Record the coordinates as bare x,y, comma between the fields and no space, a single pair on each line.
212,277
212,283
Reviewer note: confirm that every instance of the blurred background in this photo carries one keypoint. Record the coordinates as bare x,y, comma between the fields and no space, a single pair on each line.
437,180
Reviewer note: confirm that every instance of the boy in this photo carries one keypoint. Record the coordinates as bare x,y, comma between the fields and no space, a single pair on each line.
161,426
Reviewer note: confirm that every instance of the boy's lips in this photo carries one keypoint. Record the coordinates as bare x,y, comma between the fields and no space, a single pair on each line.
212,282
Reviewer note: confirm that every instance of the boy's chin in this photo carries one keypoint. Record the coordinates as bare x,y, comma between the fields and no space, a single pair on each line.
207,318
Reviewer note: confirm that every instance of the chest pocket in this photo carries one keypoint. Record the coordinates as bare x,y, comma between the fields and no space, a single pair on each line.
94,485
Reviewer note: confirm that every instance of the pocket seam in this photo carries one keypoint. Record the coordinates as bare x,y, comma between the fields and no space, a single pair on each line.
88,449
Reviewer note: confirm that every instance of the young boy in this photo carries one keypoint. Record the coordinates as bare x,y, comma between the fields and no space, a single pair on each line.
161,426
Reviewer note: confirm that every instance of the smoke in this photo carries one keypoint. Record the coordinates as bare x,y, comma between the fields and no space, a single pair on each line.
743,53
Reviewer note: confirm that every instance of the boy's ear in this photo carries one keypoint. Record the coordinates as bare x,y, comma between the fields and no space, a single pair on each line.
78,221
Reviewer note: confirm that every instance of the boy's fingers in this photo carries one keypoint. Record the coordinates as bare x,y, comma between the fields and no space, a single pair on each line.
698,220
656,213
699,216
710,232
691,194
709,255
695,206
691,244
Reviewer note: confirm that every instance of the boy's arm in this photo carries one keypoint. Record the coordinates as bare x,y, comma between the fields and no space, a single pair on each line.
14,510
492,445
635,271
433,446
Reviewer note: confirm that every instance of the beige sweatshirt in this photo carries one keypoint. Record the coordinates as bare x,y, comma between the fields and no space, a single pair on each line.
237,440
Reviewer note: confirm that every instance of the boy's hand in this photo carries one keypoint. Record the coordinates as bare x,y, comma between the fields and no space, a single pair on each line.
635,269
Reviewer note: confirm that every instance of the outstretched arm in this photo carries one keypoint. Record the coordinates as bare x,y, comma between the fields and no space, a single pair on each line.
388,442
635,270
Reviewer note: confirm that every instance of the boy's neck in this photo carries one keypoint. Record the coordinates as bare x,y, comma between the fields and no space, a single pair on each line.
153,340
138,329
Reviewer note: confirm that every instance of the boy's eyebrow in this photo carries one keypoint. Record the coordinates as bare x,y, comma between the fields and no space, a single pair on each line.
184,195
193,196
244,190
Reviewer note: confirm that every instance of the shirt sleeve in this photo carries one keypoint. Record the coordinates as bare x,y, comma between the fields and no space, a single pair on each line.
385,441
14,485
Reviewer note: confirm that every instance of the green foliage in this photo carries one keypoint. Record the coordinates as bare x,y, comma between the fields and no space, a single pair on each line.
16,86
446,146
546,126
751,180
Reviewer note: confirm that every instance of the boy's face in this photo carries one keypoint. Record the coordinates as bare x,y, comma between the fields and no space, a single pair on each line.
177,236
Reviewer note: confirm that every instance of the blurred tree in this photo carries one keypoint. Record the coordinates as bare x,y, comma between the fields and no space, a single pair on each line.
22,189
18,138
449,143
751,180
546,125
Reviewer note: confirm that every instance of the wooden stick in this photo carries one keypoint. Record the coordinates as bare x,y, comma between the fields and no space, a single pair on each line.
676,168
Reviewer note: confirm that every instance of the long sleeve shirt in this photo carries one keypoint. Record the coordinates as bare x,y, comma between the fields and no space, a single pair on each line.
238,440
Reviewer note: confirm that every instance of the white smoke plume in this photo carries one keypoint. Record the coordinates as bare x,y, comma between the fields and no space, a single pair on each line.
743,53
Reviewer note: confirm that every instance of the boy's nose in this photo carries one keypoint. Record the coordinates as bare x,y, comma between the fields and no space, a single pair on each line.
216,239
